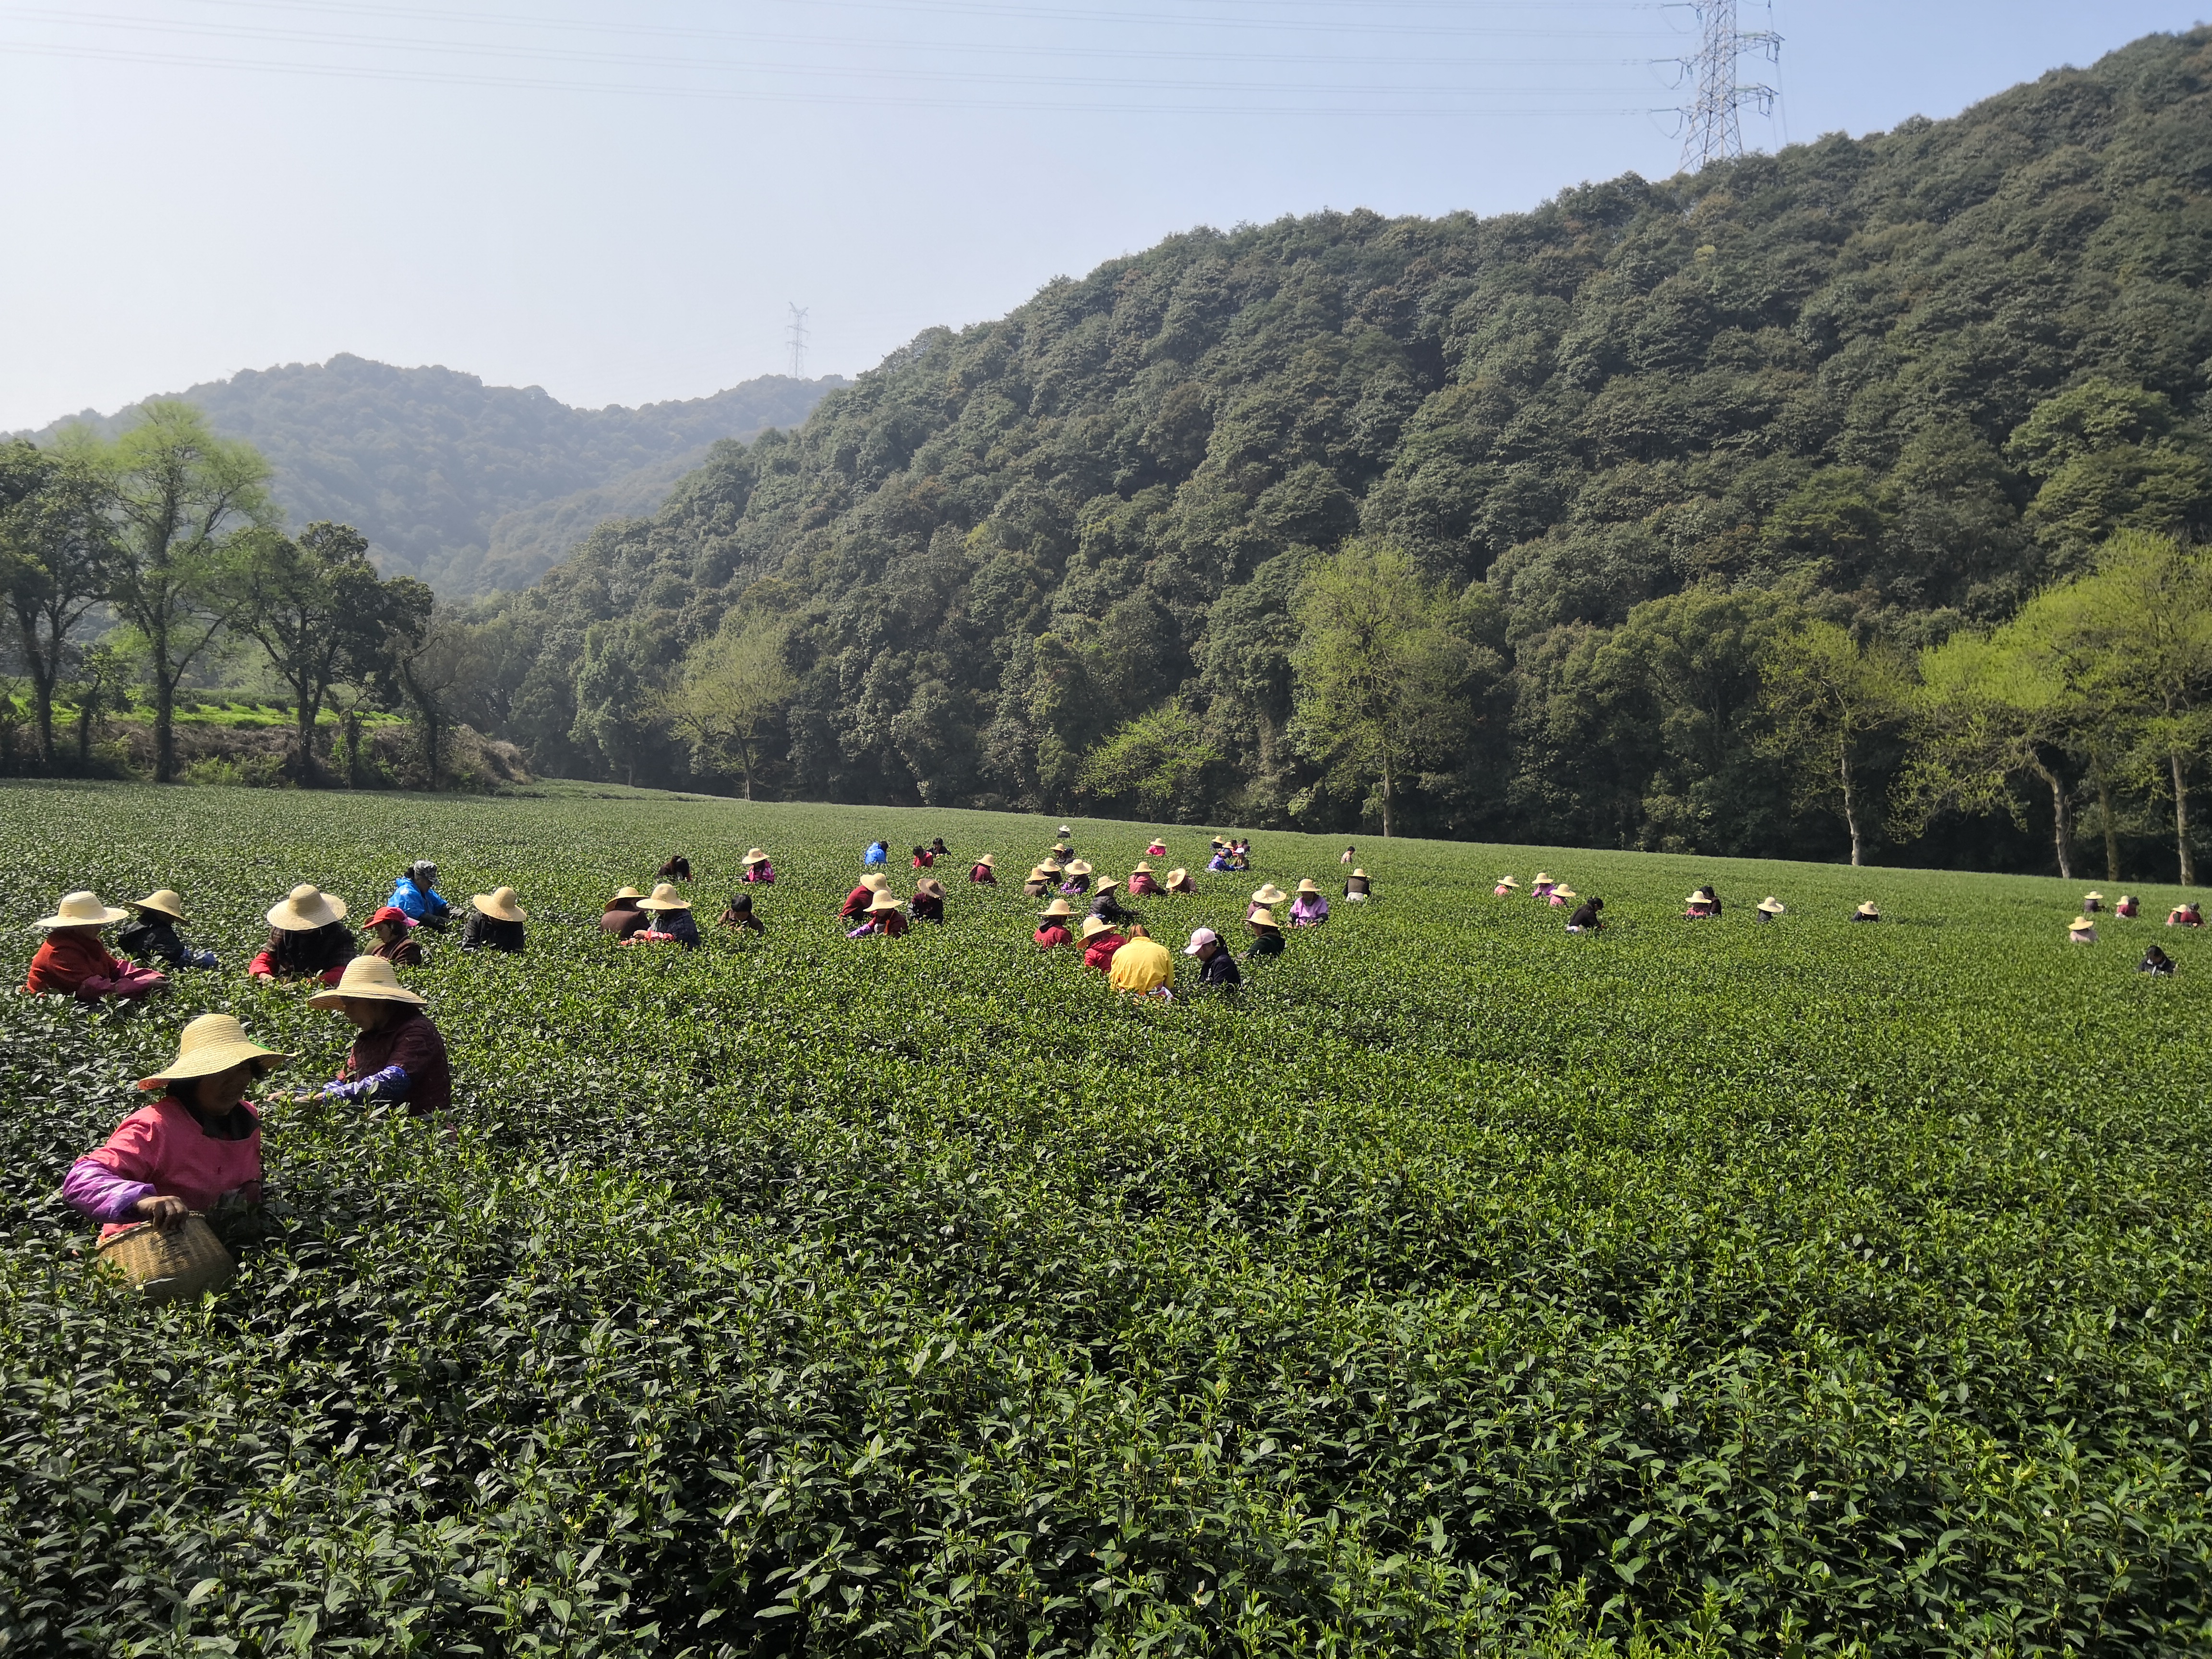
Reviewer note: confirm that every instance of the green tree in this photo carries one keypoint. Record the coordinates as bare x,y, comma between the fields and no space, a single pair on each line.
314,605
729,692
179,493
1158,760
1381,671
1827,695
101,685
2108,457
57,560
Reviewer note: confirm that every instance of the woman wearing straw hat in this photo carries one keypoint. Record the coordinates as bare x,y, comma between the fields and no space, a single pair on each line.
1867,912
1701,905
671,922
882,920
495,921
2129,905
195,1148
2081,930
1100,942
1266,894
1179,881
1309,908
152,936
1542,885
394,931
72,962
1358,889
1079,880
2092,904
758,872
927,903
1142,883
1222,859
984,871
2185,914
1158,849
399,1055
1143,967
1561,896
622,917
1506,888
1769,907
857,901
1266,938
1040,881
1056,916
307,935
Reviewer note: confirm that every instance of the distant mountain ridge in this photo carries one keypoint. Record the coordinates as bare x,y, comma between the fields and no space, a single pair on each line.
471,486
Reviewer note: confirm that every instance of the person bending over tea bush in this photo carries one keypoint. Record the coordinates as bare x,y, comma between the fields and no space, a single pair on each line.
1586,918
1309,908
152,936
758,871
1143,967
2155,961
881,918
1056,932
1100,942
73,963
307,938
395,940
1216,967
195,1148
416,893
494,923
677,868
622,917
858,901
671,922
399,1055
738,913
983,872
1266,937
928,902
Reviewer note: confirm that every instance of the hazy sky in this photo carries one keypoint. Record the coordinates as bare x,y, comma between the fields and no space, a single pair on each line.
618,202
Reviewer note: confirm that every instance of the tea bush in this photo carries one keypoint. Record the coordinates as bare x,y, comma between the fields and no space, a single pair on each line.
1458,1286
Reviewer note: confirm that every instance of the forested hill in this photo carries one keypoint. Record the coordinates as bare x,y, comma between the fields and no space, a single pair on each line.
1634,420
469,486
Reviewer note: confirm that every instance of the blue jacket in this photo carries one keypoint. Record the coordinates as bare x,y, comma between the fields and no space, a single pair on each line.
423,907
877,854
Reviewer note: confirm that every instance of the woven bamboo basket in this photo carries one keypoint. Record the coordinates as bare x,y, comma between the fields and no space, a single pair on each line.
173,1266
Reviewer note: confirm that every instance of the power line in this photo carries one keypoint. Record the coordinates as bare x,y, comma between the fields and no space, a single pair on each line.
1715,131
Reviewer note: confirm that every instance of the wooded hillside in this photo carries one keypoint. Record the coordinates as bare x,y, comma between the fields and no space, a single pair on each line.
1898,383
468,486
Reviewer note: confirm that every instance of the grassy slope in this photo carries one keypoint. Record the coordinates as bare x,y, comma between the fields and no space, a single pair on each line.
1857,1271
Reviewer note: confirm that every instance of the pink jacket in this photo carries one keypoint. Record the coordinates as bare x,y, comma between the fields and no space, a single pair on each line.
160,1151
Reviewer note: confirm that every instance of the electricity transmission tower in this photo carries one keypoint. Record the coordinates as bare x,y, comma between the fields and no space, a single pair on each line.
1715,131
796,331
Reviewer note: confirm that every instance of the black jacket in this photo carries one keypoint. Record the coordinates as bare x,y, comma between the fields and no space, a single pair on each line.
1267,944
154,937
1219,968
484,932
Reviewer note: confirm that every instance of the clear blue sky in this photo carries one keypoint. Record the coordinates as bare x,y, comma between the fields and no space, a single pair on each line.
617,202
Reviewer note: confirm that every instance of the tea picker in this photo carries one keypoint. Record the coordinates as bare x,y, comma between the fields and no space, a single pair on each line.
193,1151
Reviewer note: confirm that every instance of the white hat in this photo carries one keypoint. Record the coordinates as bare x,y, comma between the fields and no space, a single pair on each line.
1203,936
305,908
82,909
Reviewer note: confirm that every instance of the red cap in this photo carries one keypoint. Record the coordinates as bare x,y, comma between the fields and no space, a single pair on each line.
392,913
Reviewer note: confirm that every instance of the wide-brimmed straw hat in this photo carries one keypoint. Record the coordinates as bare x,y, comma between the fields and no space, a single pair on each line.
884,901
163,899
1059,907
1050,867
1700,897
1867,909
626,892
1306,885
1174,876
82,909
1094,926
1358,872
1269,894
1564,892
1542,875
1502,881
1143,867
1064,830
1078,867
987,862
754,857
2080,925
875,884
366,979
500,905
1261,917
1771,905
211,1043
929,887
1058,847
664,898
305,908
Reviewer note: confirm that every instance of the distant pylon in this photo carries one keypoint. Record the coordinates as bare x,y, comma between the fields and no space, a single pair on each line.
1716,132
797,329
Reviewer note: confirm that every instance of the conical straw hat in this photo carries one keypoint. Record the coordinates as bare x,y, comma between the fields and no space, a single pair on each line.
369,979
1772,906
164,900
500,905
82,909
1143,867
211,1043
1867,910
1059,907
1502,881
664,898
305,908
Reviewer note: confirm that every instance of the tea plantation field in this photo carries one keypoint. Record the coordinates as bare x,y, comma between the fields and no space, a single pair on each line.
1459,1287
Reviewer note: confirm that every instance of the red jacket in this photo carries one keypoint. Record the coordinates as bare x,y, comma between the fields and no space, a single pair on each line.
925,861
983,873
1047,938
1099,953
855,902
887,924
74,962
265,966
1142,885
